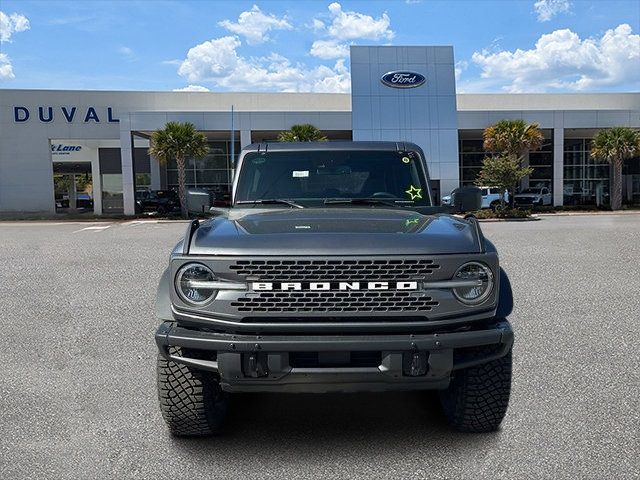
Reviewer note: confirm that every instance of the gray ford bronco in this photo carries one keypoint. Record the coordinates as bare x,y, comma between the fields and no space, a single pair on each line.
332,271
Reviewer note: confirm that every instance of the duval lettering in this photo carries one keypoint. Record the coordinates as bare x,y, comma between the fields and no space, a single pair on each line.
48,114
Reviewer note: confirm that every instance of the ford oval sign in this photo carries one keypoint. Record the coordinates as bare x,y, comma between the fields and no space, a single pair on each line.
401,79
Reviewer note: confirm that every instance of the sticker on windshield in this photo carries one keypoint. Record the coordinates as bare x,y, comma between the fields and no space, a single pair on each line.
406,160
414,192
300,173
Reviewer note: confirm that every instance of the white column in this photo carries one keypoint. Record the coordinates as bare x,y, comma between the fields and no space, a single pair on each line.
245,138
126,159
558,166
96,184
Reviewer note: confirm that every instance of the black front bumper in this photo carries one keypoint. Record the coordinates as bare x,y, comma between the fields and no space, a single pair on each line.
264,362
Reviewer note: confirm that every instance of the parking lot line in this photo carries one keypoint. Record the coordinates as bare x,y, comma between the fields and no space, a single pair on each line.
94,228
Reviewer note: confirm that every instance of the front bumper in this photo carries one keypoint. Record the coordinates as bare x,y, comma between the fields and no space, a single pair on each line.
249,363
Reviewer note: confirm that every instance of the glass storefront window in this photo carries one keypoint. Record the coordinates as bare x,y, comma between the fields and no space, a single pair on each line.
112,200
212,172
586,181
472,154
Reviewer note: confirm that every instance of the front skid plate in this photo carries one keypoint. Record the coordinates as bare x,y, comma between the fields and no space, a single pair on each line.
232,351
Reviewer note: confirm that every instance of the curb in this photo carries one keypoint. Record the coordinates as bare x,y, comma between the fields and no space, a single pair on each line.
493,220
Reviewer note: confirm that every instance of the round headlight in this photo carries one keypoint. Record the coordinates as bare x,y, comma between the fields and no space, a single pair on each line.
480,279
191,284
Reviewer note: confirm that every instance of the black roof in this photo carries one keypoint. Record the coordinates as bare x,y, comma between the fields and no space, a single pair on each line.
337,145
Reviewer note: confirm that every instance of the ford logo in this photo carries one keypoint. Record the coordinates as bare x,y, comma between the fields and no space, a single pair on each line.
401,79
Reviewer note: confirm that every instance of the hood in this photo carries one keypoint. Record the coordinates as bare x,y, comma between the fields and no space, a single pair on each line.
333,231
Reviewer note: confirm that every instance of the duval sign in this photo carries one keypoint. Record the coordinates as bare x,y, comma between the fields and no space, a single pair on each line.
403,79
47,114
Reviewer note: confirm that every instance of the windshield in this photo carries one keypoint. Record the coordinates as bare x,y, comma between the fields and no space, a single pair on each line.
311,177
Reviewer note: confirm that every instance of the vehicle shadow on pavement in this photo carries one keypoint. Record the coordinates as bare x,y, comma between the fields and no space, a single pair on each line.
364,423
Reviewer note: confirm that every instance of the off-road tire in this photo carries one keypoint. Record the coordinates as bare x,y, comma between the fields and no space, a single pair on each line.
191,401
478,397
495,205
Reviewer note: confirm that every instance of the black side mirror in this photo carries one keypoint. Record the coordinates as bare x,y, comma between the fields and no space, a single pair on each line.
467,199
199,200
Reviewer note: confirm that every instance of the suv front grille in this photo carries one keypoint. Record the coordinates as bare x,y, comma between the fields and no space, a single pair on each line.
325,301
334,269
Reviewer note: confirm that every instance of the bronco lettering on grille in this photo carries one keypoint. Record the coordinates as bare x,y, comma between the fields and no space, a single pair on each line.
320,286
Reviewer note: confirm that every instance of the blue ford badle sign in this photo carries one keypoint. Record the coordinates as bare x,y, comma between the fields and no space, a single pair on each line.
402,79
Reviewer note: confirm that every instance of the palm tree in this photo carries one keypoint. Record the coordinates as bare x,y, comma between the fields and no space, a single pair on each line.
615,145
513,139
302,133
179,141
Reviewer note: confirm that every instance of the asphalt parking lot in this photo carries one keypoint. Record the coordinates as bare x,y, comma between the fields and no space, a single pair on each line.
78,396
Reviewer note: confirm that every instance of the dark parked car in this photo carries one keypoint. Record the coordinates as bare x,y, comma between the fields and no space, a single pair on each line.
160,201
333,272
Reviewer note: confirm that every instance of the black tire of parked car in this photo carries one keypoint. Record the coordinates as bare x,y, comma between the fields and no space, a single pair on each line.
478,397
494,205
191,401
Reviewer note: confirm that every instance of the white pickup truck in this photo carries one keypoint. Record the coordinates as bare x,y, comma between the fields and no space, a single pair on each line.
490,197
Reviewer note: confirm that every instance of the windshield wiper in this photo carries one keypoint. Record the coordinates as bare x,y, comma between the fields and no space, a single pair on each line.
361,201
270,201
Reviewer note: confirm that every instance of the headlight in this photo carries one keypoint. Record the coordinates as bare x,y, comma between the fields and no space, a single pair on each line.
192,284
480,283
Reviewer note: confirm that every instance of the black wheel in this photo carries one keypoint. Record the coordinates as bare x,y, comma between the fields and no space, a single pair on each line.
495,205
478,397
191,401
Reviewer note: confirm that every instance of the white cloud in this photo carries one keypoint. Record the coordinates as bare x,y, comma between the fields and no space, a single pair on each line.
218,61
329,49
254,25
6,70
127,53
563,61
192,88
317,25
547,9
353,25
460,67
10,24
347,26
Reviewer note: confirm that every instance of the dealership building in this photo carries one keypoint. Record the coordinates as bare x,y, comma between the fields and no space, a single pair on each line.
61,149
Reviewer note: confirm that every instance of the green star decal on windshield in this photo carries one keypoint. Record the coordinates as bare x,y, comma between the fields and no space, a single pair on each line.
411,221
414,192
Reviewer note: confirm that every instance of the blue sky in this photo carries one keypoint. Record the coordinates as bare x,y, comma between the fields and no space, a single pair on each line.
500,46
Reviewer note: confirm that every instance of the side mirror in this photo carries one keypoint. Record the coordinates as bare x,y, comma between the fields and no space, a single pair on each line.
466,199
218,211
199,200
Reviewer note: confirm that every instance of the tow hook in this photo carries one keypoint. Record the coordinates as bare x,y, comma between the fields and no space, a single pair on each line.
415,364
255,365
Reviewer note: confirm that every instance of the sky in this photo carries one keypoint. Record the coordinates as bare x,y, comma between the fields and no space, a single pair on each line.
507,46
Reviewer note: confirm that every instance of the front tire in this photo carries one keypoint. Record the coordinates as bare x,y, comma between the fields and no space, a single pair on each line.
191,401
478,397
